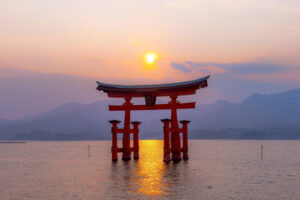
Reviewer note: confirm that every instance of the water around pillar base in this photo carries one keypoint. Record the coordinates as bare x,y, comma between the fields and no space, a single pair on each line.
167,158
136,155
176,156
185,155
126,156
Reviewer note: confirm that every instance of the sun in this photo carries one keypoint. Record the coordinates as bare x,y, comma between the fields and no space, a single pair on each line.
150,58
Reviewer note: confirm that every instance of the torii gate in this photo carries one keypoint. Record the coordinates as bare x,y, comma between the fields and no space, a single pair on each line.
150,92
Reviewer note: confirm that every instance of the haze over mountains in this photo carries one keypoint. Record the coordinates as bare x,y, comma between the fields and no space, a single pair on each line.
275,116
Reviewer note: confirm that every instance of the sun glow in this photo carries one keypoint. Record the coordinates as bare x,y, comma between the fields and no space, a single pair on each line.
150,58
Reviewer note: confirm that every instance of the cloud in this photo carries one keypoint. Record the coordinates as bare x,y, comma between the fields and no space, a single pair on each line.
284,77
254,68
205,68
180,67
260,71
243,68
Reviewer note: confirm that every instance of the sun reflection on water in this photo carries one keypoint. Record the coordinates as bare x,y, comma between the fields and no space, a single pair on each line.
151,168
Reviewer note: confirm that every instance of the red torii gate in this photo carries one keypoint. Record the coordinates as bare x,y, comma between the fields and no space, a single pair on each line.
150,92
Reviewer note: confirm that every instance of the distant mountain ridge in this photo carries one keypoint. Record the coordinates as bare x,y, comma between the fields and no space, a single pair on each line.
275,116
257,111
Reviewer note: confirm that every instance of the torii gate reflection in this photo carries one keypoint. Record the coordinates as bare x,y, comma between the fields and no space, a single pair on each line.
171,127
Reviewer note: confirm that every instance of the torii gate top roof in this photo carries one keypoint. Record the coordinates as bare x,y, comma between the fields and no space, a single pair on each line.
170,89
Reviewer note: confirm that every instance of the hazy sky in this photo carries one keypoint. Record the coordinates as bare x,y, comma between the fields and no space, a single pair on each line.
247,45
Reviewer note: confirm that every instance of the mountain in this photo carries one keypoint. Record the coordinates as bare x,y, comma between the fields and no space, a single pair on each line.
275,116
258,111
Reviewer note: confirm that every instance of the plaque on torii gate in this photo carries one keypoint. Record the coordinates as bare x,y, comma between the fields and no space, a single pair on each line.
150,93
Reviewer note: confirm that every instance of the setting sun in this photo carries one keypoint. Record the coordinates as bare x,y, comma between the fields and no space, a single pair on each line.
150,58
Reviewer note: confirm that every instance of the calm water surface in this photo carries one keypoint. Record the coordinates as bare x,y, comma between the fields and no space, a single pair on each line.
216,170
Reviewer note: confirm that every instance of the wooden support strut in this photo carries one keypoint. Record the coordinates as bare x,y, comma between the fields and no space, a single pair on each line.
136,139
154,107
114,148
185,154
115,130
167,129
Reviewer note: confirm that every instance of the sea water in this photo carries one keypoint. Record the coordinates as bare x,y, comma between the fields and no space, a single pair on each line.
217,169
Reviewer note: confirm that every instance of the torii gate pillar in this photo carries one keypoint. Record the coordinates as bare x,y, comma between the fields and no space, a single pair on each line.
175,137
126,135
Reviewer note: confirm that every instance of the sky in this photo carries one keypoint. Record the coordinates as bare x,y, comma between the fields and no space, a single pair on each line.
59,48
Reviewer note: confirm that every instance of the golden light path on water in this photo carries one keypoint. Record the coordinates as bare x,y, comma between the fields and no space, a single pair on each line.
148,177
151,169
